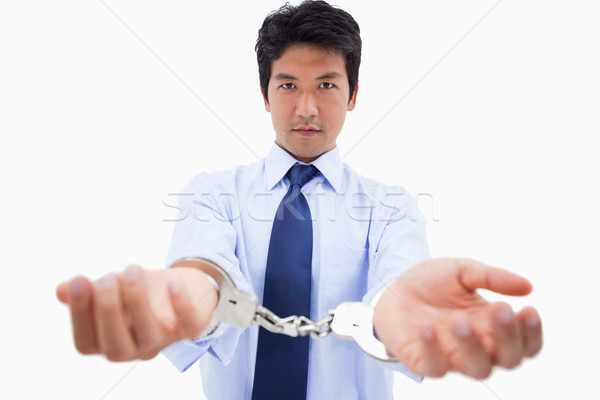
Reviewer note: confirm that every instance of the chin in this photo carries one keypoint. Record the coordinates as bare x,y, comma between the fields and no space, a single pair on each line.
306,151
309,155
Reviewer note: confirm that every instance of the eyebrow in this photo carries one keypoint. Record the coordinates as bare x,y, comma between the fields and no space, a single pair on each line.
328,75
286,77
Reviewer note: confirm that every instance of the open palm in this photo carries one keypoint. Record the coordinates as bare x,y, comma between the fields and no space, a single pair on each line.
433,320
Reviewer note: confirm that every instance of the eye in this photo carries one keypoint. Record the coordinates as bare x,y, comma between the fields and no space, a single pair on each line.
288,85
326,85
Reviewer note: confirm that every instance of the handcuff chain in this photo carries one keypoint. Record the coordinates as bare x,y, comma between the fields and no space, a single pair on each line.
293,325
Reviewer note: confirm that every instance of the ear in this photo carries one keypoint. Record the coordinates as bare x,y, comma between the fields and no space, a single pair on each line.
267,107
352,102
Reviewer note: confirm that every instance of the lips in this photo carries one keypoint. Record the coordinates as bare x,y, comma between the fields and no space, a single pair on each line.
306,130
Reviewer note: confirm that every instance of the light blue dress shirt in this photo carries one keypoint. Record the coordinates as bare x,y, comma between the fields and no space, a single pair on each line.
365,234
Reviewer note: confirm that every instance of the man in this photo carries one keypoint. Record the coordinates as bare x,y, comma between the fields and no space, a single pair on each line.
361,241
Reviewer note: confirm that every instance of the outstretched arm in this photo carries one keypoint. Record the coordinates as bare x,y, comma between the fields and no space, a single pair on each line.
433,321
137,313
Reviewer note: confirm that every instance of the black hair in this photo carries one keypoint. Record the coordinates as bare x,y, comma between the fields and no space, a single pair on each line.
313,22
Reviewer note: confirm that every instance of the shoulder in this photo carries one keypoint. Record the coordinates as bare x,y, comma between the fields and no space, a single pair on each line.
382,201
226,181
355,182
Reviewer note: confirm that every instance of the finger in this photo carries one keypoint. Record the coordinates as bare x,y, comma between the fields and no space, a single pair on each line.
189,323
476,275
531,326
62,292
115,340
469,357
82,317
146,331
508,343
432,361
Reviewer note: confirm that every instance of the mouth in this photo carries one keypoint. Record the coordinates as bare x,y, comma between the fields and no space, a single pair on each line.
306,130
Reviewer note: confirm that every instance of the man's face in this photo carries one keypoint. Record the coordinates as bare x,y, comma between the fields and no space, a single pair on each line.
308,99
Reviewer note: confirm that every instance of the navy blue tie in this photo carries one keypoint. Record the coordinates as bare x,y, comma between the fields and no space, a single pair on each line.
282,361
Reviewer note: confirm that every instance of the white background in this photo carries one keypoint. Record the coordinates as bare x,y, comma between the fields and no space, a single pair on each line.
107,108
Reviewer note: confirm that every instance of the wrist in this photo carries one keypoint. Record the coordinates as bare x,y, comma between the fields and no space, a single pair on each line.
202,291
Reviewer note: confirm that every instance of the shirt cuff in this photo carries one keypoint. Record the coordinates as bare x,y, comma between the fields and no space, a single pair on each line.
220,344
399,367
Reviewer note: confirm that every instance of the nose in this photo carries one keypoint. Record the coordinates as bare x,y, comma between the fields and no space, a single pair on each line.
306,106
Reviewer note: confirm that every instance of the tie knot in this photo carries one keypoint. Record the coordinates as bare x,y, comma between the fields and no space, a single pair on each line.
300,174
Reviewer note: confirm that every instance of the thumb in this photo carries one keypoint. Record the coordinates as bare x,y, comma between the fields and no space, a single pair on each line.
476,275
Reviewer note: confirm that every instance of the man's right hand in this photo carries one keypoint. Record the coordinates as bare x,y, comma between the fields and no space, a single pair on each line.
137,313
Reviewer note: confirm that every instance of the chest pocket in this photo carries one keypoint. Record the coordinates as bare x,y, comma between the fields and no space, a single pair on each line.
346,271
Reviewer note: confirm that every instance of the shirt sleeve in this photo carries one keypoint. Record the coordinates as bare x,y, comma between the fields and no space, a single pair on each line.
203,229
401,244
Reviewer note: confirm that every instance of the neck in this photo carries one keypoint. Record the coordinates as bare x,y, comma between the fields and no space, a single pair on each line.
302,158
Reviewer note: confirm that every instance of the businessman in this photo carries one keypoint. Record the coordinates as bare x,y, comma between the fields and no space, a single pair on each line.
305,232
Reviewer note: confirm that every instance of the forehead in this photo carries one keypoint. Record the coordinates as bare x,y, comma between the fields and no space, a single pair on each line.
307,60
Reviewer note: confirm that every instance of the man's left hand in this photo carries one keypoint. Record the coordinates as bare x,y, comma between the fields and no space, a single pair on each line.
433,321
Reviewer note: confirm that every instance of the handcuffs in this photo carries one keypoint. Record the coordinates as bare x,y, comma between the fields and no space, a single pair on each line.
349,321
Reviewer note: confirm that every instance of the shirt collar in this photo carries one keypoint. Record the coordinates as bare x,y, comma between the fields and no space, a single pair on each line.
279,161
